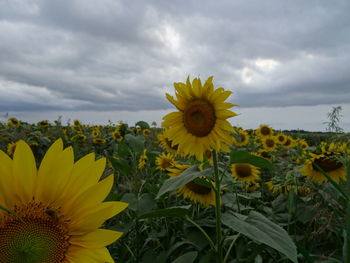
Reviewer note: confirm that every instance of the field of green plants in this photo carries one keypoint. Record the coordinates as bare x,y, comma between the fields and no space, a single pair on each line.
283,196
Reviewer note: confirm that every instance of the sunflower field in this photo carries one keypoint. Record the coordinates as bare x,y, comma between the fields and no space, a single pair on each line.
196,190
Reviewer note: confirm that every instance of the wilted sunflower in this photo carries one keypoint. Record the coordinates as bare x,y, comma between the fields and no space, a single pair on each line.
59,207
269,143
165,161
146,132
200,123
43,123
245,172
13,122
264,130
167,144
11,147
334,169
194,191
117,136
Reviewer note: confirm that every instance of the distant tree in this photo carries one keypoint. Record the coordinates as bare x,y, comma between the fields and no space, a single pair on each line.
334,119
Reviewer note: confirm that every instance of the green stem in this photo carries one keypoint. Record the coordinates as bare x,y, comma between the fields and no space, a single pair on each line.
217,209
230,247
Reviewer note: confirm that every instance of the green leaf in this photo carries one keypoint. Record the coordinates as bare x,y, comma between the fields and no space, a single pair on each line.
143,125
246,157
260,229
185,177
136,142
121,166
176,211
122,149
189,257
139,205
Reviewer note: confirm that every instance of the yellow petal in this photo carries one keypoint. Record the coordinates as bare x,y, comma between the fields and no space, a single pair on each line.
77,254
96,239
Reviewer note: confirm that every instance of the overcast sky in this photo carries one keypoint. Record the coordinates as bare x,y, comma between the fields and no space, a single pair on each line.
287,62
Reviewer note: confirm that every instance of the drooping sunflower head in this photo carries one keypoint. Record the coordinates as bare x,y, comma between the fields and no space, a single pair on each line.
269,143
13,122
165,161
167,144
264,130
328,163
59,207
245,172
200,122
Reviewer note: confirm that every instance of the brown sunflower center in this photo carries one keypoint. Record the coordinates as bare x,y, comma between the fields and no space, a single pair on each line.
288,142
166,163
270,143
199,118
265,131
243,170
37,236
243,137
197,188
327,164
281,138
169,143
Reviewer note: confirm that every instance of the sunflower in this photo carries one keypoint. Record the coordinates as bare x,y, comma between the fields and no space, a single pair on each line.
117,136
281,138
167,144
13,122
99,140
269,143
303,144
334,169
194,191
165,161
95,132
264,130
251,187
59,207
200,123
11,147
289,143
146,132
142,160
76,123
243,138
245,172
43,123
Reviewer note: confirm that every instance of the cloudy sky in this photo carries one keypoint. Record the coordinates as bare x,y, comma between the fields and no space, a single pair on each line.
287,62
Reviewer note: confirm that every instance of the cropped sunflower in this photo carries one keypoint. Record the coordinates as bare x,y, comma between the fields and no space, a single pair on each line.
13,122
334,169
200,123
264,130
194,191
59,207
269,143
11,147
43,123
245,172
167,144
251,187
165,161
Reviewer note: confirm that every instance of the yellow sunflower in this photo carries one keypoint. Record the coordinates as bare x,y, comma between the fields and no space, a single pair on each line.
43,123
99,140
95,132
200,123
165,161
11,147
13,122
142,160
303,144
269,143
117,136
243,139
76,123
251,187
264,130
167,144
59,207
245,172
289,143
334,169
146,132
194,191
281,138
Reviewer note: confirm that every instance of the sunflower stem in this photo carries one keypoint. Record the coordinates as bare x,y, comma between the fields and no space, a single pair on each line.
217,208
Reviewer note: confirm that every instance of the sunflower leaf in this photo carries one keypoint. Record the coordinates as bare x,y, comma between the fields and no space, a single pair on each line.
136,142
189,257
176,211
185,177
246,157
260,229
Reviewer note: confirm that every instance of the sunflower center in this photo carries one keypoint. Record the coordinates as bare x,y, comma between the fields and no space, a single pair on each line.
166,163
327,164
199,118
243,170
37,236
270,143
288,142
265,131
197,188
281,138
